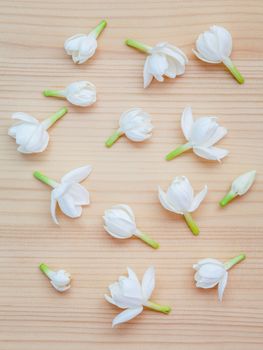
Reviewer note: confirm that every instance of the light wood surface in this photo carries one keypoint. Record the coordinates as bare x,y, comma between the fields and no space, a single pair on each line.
33,316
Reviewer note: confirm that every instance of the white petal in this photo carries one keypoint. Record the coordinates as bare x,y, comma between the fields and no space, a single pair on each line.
187,122
224,40
68,207
60,189
210,272
202,58
73,43
38,141
207,261
110,300
58,288
157,65
207,45
166,203
79,194
77,175
203,129
126,315
53,205
120,300
198,199
243,182
136,136
210,153
131,291
219,133
133,276
120,235
119,227
81,93
22,132
221,286
147,76
206,284
148,283
180,193
125,208
125,301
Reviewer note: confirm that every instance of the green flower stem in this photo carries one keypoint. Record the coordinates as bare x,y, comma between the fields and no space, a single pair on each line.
228,198
113,138
179,150
148,240
191,224
45,269
234,71
54,93
137,45
52,120
97,30
234,261
160,308
46,180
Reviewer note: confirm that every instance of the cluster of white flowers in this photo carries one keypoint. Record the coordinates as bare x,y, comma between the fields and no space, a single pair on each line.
163,60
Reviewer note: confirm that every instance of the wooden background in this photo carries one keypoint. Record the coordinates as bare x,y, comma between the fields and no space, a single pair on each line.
33,316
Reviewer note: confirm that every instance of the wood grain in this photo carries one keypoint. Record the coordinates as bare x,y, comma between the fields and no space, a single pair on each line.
32,314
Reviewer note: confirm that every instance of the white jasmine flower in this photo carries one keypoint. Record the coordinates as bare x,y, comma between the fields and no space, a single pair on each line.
60,280
239,187
119,222
83,46
30,134
211,272
69,194
80,93
128,293
163,60
135,124
201,135
215,46
180,199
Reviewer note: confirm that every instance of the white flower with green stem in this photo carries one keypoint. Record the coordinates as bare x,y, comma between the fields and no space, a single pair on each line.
119,222
215,46
211,272
80,93
135,124
180,199
69,194
132,296
31,135
83,46
163,59
239,187
60,279
201,135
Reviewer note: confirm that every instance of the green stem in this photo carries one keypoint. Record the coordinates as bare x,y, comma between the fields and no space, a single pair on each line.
45,269
234,261
191,224
52,120
160,308
228,198
137,45
113,138
148,240
54,93
97,30
179,150
234,71
46,180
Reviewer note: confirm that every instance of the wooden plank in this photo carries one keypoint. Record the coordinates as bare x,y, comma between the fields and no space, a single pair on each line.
32,314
